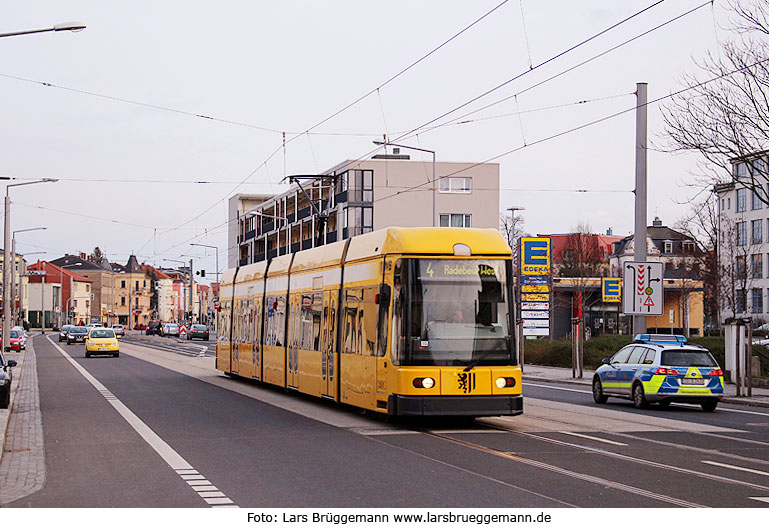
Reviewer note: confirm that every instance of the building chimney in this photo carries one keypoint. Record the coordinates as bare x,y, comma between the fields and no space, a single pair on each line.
657,222
609,232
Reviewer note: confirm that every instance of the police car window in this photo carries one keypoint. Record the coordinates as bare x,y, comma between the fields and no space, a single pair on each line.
637,355
622,355
680,357
649,356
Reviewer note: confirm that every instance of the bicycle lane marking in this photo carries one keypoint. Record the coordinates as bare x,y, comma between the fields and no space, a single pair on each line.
186,472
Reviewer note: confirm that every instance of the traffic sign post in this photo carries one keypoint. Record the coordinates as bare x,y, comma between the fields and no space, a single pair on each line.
642,289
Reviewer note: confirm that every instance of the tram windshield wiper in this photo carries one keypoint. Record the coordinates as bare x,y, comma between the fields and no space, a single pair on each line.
477,361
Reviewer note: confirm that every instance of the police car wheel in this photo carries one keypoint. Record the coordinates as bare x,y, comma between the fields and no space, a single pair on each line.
709,406
598,395
639,399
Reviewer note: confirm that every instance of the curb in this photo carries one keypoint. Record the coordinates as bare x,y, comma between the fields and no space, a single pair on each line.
745,401
5,414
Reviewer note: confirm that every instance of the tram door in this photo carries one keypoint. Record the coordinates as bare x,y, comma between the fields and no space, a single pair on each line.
294,332
329,361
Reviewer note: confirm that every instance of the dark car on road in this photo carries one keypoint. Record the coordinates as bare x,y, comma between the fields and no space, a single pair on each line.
77,334
198,331
63,332
153,327
5,381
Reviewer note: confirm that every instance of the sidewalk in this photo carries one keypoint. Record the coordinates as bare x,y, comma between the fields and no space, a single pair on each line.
760,396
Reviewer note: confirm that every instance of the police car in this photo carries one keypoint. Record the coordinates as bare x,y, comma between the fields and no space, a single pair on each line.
661,368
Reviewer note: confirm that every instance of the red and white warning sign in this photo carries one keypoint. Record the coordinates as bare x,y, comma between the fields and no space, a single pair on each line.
642,288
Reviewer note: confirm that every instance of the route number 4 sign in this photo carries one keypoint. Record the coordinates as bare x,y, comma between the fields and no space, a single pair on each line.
642,289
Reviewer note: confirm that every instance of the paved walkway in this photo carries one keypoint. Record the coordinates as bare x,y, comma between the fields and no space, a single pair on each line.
22,460
760,396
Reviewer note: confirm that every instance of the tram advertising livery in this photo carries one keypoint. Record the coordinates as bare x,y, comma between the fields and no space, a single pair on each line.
403,321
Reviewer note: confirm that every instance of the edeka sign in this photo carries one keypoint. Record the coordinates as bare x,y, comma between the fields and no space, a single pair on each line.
535,256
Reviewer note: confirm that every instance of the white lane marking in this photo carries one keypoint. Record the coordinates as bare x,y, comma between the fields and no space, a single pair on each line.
760,499
736,468
720,408
577,434
166,452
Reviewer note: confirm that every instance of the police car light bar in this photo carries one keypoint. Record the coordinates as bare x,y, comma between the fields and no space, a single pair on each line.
661,338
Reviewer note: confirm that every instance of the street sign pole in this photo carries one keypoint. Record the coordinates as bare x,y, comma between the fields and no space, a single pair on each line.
639,238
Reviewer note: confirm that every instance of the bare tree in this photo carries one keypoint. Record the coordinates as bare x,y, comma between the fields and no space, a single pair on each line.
725,116
736,272
701,223
512,229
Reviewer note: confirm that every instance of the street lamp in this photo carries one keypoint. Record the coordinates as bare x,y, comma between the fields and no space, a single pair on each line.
64,26
217,277
13,270
387,143
7,251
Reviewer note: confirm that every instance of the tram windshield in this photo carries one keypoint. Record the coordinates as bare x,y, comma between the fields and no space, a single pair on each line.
452,312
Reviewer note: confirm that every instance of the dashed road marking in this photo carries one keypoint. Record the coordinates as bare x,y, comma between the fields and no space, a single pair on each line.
736,468
760,499
595,438
185,471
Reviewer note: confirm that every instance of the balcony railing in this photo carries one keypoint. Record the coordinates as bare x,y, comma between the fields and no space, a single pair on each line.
296,246
331,237
259,257
243,261
249,234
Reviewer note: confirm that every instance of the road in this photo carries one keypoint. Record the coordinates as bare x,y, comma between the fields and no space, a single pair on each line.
157,427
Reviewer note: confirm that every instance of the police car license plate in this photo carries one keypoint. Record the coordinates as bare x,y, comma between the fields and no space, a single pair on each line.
693,381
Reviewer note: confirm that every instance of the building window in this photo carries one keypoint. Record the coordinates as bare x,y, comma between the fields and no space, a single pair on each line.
122,301
87,288
136,285
742,235
136,305
742,199
688,247
756,236
455,220
122,283
741,300
364,186
741,170
757,301
668,247
740,267
757,265
755,201
455,185
728,203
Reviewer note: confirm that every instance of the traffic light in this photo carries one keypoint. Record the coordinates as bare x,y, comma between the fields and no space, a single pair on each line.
201,273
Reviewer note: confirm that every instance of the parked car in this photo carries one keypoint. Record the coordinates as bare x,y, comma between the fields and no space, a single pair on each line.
761,330
198,331
660,368
100,341
63,332
5,381
153,327
119,330
16,341
170,329
77,334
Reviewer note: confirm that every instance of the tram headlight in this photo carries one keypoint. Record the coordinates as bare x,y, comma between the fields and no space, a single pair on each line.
426,382
505,382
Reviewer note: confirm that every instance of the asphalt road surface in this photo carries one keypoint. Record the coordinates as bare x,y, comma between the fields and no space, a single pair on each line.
157,425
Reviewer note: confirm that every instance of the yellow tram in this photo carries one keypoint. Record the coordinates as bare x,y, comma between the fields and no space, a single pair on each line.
403,321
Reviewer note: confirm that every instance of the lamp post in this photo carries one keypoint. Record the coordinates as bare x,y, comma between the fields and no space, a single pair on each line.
13,270
386,143
217,278
64,26
7,252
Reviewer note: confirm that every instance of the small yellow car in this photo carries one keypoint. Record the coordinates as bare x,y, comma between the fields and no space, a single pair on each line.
101,341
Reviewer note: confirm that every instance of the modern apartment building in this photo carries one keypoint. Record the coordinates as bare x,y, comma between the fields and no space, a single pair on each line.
743,241
360,196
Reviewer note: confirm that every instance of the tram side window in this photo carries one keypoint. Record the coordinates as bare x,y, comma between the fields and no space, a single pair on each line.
275,323
352,302
368,322
305,330
317,308
224,321
236,324
257,315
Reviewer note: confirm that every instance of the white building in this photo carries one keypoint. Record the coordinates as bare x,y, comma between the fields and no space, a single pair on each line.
743,243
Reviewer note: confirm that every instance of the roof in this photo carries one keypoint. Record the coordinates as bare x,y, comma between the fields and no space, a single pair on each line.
154,272
75,262
57,271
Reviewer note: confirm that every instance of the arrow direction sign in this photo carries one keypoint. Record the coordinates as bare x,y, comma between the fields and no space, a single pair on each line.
642,289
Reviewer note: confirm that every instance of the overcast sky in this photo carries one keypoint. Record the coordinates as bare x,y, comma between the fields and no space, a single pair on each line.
117,123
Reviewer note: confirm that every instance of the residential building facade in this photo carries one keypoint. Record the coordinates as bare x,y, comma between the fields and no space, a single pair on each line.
360,196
